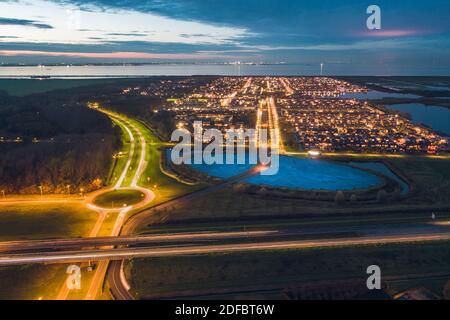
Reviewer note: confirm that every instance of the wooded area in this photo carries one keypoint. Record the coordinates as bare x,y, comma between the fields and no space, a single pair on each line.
52,141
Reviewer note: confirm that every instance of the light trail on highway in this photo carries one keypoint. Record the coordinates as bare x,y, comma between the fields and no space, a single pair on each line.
57,244
130,253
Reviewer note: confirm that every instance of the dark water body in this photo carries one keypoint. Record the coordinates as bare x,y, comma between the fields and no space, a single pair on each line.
375,95
438,118
104,71
158,70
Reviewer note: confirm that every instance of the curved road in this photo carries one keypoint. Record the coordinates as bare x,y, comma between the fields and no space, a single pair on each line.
102,266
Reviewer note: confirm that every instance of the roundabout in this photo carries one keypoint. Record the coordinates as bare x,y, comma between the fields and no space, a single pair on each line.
120,199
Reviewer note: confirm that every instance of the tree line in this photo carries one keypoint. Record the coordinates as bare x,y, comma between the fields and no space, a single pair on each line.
63,147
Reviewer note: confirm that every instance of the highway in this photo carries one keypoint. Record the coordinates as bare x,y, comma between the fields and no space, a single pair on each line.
62,244
143,252
159,245
210,237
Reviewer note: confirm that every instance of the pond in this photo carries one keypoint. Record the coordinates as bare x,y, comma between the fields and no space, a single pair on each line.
438,118
300,173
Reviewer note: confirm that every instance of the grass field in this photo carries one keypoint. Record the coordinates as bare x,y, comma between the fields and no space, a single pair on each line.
309,222
279,270
41,221
430,177
119,198
31,282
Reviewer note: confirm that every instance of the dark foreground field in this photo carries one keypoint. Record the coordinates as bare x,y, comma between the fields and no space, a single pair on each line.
292,274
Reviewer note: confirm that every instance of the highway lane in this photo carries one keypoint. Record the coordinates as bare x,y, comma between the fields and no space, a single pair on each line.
130,155
202,236
274,124
118,284
61,244
140,252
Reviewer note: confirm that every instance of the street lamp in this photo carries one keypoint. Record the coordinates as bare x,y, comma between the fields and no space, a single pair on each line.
3,193
42,192
68,189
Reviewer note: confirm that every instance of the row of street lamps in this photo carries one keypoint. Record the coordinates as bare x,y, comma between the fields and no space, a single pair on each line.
67,187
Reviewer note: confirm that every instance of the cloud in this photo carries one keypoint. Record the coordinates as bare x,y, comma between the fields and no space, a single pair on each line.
415,33
109,55
24,22
116,45
194,35
326,19
127,34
